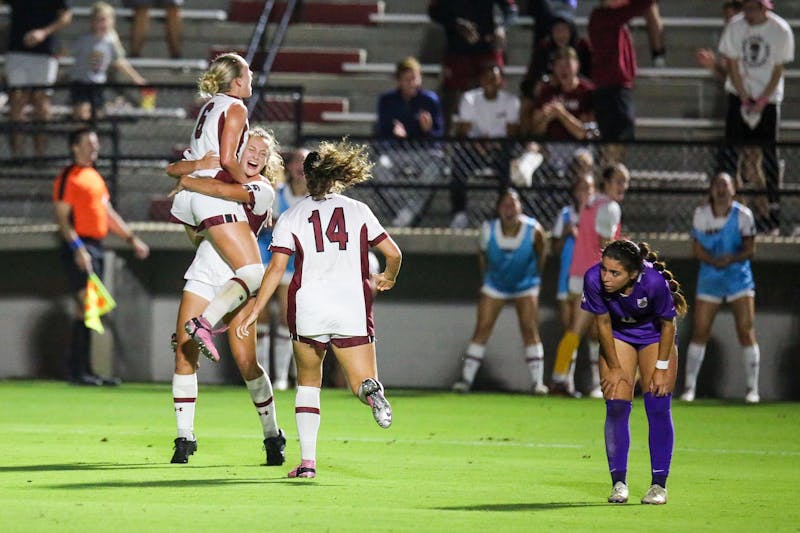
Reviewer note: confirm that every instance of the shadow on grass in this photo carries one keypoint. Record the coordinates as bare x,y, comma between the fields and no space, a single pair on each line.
515,507
176,483
65,467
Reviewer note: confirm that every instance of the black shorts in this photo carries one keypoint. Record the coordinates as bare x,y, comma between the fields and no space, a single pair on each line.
91,93
75,276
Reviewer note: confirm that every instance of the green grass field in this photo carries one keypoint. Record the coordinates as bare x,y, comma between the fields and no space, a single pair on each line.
83,459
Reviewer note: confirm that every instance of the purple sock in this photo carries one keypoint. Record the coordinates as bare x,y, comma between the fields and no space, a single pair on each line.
618,438
662,435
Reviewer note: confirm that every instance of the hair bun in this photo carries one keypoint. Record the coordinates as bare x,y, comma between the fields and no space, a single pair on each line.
310,161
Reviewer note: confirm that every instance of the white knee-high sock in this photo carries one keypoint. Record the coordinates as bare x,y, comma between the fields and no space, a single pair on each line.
307,417
594,359
752,364
534,356
261,394
473,357
283,354
694,360
184,396
263,342
235,291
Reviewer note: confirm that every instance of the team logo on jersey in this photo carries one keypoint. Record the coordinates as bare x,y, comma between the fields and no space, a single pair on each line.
641,302
755,51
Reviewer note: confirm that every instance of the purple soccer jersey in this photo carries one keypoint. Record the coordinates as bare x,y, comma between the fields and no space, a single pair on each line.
635,318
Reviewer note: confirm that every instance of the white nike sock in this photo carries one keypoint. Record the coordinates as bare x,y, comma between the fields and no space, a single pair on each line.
694,360
261,394
594,359
184,396
283,353
307,417
752,364
263,344
534,356
473,358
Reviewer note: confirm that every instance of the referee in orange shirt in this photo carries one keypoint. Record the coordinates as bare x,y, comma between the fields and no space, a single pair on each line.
85,215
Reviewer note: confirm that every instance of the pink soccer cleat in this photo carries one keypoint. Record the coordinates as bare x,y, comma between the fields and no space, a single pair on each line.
201,332
306,468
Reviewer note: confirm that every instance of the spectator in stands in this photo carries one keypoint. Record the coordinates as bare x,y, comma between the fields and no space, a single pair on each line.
94,52
412,113
409,111
31,61
756,46
486,112
706,58
723,240
614,66
473,40
563,111
545,13
512,257
655,35
540,68
84,215
141,23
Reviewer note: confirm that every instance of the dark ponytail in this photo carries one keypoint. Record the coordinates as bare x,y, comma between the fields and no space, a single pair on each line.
632,257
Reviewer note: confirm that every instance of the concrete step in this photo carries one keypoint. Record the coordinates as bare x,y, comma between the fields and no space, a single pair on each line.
344,13
319,60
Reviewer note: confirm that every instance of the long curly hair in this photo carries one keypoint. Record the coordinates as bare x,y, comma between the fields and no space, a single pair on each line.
274,166
333,167
632,257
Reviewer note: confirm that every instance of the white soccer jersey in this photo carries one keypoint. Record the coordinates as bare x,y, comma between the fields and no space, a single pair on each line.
207,132
330,292
208,266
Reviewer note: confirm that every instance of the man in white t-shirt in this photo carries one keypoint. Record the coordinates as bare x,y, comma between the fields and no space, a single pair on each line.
485,112
756,45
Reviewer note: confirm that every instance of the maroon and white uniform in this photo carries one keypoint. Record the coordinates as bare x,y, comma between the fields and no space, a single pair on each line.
198,210
330,294
208,271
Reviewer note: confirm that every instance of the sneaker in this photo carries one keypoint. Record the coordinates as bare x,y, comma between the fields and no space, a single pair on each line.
183,449
304,469
619,493
540,389
275,447
461,386
596,392
752,397
381,410
659,61
688,395
460,221
200,331
656,495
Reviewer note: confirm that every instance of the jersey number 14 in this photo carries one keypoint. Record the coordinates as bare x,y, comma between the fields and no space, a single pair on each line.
335,232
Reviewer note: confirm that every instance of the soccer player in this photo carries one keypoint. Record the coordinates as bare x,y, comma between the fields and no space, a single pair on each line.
330,301
512,258
723,239
635,300
599,223
206,276
289,193
221,127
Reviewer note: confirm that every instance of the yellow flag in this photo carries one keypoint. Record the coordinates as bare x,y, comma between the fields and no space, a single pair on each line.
97,303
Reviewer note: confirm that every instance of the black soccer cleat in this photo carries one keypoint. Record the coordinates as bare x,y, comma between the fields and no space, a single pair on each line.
183,449
276,449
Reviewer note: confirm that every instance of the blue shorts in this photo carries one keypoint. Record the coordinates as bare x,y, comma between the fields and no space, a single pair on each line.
264,240
724,286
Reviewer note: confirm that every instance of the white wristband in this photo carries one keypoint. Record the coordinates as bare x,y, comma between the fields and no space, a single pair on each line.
662,365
